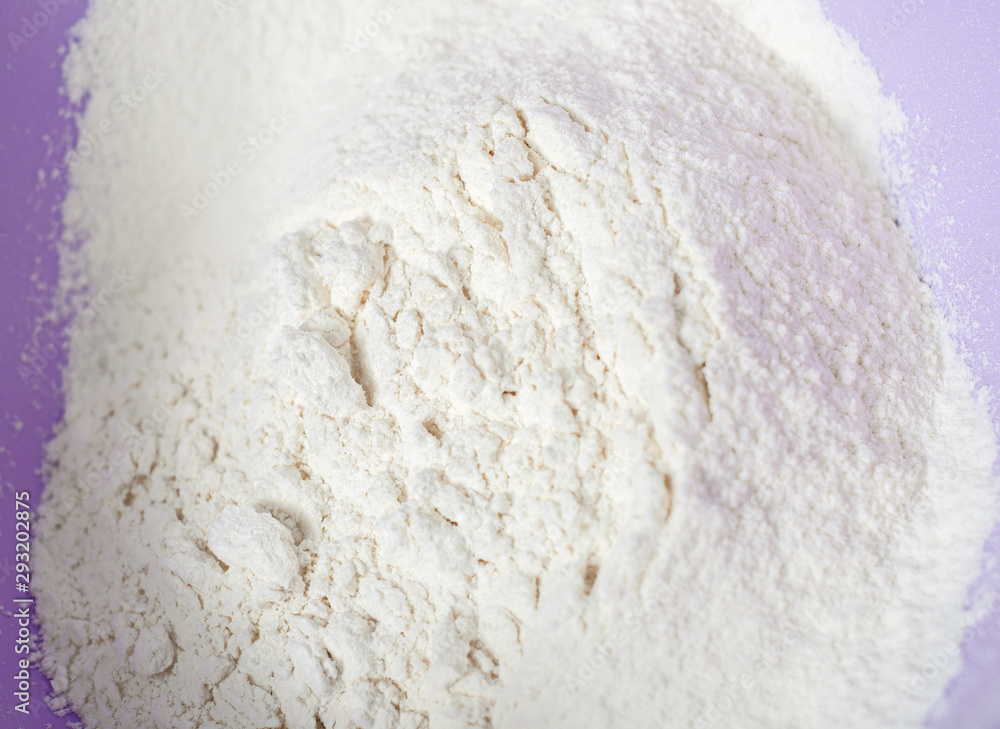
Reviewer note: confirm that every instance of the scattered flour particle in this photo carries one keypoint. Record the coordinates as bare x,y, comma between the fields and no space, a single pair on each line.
258,543
153,652
560,364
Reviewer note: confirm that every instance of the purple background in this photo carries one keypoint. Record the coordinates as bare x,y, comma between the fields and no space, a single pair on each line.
939,58
32,133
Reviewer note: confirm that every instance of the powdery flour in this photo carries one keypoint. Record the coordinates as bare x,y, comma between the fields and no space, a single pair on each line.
552,366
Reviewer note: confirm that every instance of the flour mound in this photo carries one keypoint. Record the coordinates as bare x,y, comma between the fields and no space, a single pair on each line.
581,378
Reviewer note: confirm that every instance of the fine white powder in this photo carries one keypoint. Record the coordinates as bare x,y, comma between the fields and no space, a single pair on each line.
498,364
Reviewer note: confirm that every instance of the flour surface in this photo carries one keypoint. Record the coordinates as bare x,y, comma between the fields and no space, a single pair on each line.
544,366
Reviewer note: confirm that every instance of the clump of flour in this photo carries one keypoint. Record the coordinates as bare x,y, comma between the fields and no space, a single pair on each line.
553,369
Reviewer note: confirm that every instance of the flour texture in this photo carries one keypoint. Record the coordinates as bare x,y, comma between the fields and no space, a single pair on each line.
554,366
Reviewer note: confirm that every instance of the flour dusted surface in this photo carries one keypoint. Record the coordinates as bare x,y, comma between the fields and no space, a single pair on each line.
555,369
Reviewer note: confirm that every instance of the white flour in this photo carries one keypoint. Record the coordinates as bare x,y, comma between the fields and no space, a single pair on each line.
552,366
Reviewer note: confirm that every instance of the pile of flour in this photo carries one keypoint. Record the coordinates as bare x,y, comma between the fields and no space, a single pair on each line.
503,364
